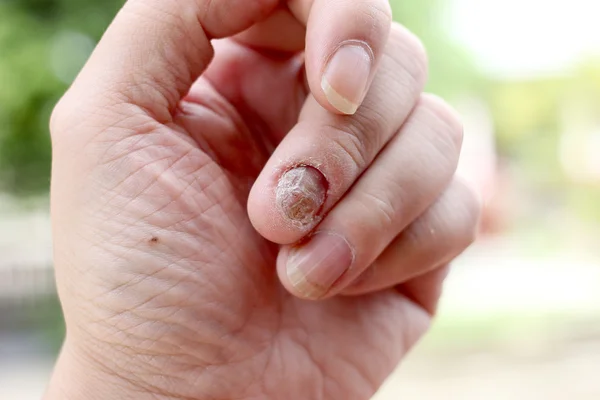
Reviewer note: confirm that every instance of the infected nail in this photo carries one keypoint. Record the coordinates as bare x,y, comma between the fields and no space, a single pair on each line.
315,267
346,77
301,193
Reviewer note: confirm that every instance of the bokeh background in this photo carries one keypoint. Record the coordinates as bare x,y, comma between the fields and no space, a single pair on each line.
520,318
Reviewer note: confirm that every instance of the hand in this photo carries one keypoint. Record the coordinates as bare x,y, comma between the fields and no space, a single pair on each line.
172,167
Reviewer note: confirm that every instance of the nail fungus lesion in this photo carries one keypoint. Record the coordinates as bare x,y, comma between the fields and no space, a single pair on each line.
301,193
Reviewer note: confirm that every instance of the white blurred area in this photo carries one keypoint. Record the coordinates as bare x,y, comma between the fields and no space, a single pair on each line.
513,325
522,39
520,316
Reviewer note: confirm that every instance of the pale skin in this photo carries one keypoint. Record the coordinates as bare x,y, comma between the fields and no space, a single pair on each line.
253,217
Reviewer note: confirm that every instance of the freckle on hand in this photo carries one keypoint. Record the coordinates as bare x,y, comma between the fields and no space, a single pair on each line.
301,193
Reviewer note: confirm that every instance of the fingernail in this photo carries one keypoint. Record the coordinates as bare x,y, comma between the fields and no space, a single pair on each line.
346,77
301,193
316,266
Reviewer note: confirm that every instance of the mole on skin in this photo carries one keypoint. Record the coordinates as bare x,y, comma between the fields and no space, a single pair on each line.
301,193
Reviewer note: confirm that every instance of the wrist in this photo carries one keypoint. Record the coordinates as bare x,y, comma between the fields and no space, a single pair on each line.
77,376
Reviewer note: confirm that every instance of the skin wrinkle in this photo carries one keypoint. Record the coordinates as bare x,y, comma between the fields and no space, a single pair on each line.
195,357
108,371
114,146
385,206
140,88
416,63
129,159
300,337
86,155
447,141
130,249
199,47
269,127
212,203
312,355
177,196
133,176
326,379
267,365
259,354
363,127
350,145
128,330
137,279
222,109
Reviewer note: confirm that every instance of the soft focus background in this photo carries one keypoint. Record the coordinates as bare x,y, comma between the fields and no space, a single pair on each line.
520,318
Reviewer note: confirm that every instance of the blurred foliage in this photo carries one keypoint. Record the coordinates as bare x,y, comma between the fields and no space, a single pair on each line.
47,319
29,84
542,127
451,72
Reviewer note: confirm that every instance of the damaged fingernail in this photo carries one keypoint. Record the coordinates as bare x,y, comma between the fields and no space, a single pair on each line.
301,193
314,268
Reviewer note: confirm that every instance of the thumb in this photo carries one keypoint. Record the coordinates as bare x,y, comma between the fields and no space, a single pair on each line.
154,50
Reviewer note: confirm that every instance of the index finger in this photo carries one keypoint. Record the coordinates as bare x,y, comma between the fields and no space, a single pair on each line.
345,40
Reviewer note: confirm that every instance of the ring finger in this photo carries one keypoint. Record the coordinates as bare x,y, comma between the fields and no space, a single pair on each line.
444,231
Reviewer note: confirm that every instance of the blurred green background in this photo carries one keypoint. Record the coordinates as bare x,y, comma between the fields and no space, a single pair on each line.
521,313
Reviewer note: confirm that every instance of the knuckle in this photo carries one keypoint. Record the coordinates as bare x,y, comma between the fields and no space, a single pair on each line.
378,18
418,235
351,144
386,212
468,210
381,11
371,128
446,124
451,224
410,53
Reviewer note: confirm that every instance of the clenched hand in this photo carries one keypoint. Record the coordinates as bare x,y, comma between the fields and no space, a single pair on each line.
219,166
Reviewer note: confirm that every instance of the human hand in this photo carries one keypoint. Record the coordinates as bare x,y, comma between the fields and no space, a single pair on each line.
172,167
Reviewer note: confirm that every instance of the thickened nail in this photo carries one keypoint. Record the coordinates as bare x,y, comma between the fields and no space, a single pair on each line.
316,266
301,193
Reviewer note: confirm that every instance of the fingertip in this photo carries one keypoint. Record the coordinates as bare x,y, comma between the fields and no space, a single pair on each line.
345,41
